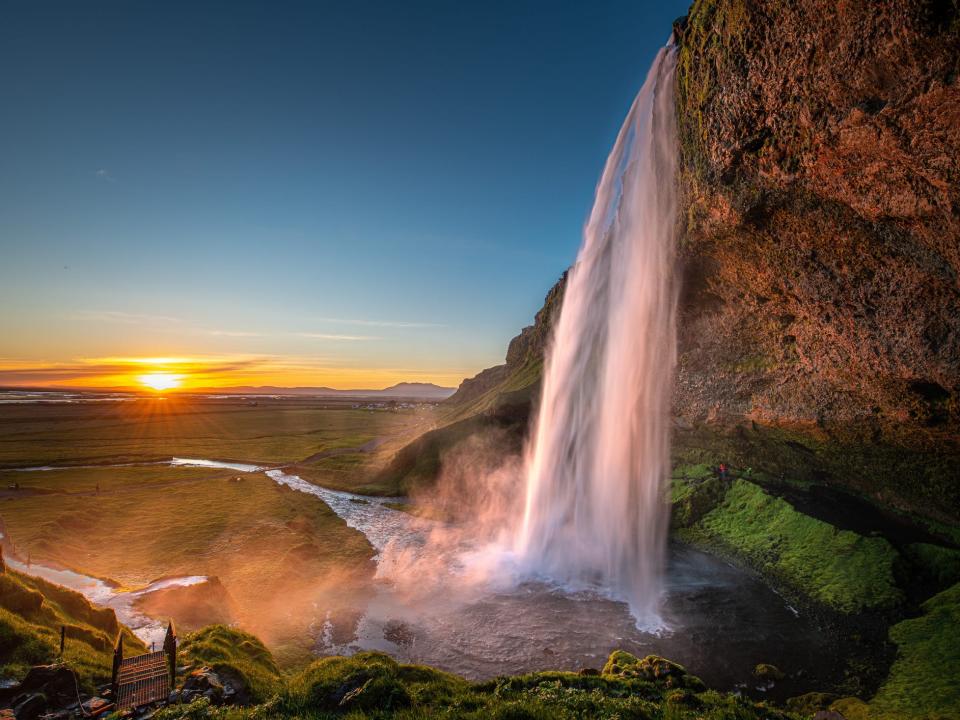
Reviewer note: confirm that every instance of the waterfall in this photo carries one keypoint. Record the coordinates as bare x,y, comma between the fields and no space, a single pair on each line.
598,458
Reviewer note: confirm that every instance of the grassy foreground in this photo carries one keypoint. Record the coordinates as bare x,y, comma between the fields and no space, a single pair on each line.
32,611
372,685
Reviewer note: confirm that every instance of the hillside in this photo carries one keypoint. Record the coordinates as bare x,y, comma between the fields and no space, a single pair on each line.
32,611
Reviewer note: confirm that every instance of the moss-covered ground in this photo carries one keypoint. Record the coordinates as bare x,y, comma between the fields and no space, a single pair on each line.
372,685
844,571
33,611
234,652
924,682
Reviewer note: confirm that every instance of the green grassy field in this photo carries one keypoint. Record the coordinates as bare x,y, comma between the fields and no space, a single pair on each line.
273,431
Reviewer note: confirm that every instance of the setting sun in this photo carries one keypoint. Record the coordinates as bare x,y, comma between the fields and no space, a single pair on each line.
160,381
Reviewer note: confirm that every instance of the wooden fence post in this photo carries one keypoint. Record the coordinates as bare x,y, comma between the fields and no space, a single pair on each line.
117,659
170,648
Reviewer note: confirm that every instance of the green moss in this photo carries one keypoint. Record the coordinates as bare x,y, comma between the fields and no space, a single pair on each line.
941,565
809,703
765,671
840,569
239,653
713,39
924,681
851,708
372,685
691,499
753,363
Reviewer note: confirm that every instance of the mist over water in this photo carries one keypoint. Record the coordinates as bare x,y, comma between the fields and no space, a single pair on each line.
595,467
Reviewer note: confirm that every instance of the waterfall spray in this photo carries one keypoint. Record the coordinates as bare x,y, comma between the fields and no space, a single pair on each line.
598,458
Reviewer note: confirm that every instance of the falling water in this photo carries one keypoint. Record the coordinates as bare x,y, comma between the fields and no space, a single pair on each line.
596,465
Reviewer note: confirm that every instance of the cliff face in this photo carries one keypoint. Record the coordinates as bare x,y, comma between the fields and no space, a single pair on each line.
821,241
820,250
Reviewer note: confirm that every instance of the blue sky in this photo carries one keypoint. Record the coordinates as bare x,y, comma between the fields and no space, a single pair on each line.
358,190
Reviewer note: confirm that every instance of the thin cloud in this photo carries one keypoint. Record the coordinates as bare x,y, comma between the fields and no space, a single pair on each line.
329,336
117,316
382,323
104,174
235,333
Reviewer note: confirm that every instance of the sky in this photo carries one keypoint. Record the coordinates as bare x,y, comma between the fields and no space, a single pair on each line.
348,194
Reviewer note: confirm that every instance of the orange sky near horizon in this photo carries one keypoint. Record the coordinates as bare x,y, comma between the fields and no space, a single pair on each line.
211,372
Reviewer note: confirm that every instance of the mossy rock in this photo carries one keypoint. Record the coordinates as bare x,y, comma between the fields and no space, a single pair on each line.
851,708
683,699
694,498
940,565
809,703
651,668
235,655
768,673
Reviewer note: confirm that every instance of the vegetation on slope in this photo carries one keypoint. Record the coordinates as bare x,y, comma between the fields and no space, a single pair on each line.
32,611
841,569
924,681
235,654
372,685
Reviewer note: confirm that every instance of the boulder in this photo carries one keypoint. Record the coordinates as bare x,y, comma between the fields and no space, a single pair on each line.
652,668
203,682
56,683
222,686
30,707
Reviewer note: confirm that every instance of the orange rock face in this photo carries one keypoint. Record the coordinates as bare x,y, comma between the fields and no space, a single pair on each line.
821,145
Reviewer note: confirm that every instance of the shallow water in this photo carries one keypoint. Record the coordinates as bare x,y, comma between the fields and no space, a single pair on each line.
722,621
99,592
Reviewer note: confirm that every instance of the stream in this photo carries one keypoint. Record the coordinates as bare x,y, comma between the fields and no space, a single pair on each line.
720,621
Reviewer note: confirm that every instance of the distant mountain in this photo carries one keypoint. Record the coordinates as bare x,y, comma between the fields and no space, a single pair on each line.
407,390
